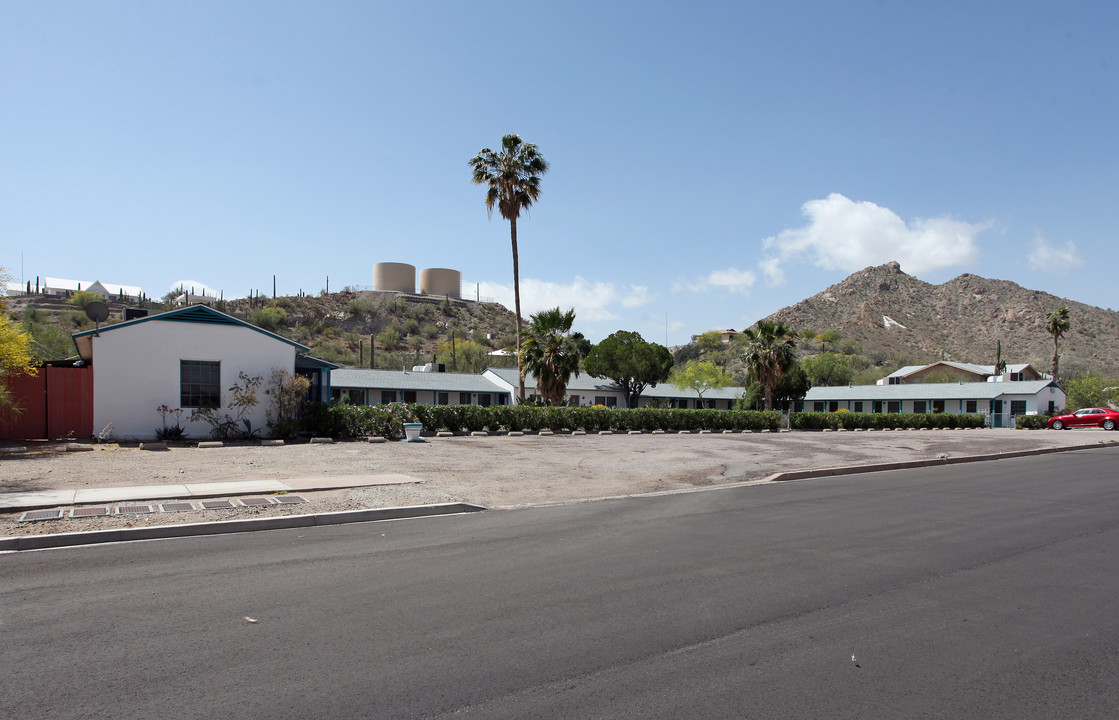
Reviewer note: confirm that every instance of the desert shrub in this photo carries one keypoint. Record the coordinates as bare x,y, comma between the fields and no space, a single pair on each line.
269,318
389,338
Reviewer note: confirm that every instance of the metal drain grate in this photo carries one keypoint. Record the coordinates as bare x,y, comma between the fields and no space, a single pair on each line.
134,509
177,507
254,501
89,512
290,499
32,515
216,505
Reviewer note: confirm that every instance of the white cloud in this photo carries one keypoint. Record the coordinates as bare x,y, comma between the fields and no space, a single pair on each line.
731,279
592,300
1044,256
845,235
638,295
194,287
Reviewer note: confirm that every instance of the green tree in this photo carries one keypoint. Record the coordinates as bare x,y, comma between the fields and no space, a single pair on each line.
466,356
791,388
1057,324
551,352
828,370
710,340
512,177
631,363
770,351
1088,391
16,357
700,376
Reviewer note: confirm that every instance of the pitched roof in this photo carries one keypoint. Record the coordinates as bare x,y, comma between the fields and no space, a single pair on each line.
589,383
928,391
192,314
397,380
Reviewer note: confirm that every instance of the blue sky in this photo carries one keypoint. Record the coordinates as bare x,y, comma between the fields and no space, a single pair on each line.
711,162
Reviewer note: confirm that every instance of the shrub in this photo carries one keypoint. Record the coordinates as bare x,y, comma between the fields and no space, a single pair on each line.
1031,422
881,421
269,318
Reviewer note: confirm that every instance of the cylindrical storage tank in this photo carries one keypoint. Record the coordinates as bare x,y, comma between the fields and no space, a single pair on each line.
394,277
441,281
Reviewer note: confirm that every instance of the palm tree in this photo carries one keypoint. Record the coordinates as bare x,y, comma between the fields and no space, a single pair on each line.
1057,324
513,178
551,352
770,351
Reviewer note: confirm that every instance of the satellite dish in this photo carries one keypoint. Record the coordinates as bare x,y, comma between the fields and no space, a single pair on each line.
97,311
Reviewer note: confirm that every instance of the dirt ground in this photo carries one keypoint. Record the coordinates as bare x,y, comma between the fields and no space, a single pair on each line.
494,471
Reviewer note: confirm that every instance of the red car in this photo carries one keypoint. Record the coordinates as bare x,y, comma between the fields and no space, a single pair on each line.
1086,417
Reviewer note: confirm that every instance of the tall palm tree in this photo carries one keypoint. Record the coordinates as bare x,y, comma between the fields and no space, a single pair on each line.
513,179
1057,324
770,351
551,352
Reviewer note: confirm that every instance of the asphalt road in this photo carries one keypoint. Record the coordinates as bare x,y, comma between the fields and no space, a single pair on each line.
972,591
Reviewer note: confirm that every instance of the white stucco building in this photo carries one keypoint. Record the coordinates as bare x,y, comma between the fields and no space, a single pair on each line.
187,358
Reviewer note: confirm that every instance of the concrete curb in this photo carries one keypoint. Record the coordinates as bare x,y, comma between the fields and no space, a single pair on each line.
878,467
157,532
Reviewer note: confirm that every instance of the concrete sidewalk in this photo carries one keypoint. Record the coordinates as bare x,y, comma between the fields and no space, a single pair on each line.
55,498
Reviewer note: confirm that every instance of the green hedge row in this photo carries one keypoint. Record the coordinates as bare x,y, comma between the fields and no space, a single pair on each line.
351,421
1031,422
882,421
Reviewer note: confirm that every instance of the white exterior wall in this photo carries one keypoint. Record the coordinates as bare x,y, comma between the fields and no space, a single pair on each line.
1038,403
136,369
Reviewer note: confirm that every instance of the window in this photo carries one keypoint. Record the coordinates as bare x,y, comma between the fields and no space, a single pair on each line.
484,399
893,406
443,399
919,406
1017,407
895,381
388,396
833,406
409,396
971,407
599,399
611,401
858,406
1015,377
464,398
938,406
199,384
818,406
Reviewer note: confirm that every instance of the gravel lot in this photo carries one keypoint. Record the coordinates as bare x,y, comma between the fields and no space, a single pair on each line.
495,471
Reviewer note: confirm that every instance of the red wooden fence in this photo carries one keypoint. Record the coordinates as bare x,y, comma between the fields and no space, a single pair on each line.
57,403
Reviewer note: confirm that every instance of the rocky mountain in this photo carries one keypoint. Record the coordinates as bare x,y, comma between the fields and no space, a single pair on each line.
888,311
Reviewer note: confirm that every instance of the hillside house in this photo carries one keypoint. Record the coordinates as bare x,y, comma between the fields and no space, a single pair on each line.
961,372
